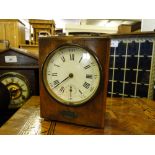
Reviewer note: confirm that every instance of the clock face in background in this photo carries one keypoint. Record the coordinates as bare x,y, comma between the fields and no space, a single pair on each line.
18,87
71,75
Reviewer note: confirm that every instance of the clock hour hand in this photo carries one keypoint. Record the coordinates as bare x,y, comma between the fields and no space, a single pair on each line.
70,76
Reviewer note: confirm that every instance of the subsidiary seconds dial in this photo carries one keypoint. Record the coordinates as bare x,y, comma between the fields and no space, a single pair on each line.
71,74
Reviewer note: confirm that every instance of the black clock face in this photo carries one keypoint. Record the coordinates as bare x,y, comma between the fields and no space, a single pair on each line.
18,87
71,74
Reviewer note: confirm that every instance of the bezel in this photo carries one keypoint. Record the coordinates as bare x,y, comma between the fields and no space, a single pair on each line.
44,77
23,78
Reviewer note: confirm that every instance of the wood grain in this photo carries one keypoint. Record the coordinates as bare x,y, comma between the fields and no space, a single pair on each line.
128,116
27,120
41,25
12,30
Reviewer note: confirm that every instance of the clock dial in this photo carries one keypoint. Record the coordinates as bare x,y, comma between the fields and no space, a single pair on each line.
18,87
71,75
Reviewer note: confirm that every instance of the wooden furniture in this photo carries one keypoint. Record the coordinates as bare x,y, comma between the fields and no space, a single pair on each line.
124,116
31,48
41,25
125,28
12,30
4,44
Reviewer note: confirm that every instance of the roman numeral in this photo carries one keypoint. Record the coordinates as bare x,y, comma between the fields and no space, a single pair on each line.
86,67
80,59
89,76
95,76
63,59
80,92
54,74
71,50
56,82
86,85
62,89
72,57
56,65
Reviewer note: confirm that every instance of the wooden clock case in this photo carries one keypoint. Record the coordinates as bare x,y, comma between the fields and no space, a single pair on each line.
26,65
92,112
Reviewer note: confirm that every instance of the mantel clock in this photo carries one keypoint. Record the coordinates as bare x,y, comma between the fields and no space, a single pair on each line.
73,79
18,86
19,72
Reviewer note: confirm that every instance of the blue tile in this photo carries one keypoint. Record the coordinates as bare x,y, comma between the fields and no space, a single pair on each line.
119,62
129,89
121,49
143,77
130,76
111,62
118,87
109,86
131,62
118,75
112,49
142,90
133,48
146,48
145,63
110,74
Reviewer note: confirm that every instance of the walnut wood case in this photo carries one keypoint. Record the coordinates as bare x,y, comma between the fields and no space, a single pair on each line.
92,112
27,65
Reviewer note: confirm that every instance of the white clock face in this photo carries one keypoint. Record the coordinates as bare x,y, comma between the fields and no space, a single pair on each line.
18,88
71,75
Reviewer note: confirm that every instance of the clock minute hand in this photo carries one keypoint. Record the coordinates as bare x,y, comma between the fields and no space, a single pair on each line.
70,76
61,82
